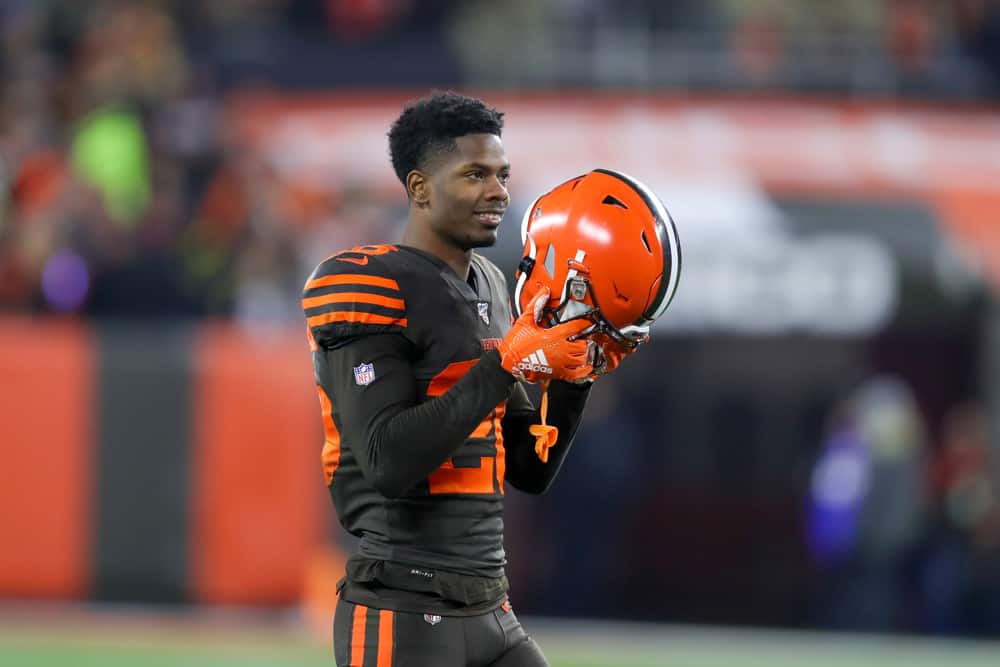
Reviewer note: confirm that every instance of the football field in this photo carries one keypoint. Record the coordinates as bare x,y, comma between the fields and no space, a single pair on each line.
143,638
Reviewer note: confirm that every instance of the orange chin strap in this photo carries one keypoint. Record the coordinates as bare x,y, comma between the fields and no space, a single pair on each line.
545,434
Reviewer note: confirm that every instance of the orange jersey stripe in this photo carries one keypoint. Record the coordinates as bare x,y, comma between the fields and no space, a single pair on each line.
484,429
352,279
501,460
350,297
357,658
449,479
331,442
385,621
444,380
362,318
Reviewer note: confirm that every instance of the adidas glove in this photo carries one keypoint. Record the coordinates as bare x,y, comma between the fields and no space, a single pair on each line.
533,353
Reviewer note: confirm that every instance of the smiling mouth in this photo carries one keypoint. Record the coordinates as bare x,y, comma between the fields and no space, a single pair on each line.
491,218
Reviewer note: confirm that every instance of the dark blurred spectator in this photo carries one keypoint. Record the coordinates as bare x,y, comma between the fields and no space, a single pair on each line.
130,51
978,26
210,244
911,35
867,506
758,47
961,574
358,20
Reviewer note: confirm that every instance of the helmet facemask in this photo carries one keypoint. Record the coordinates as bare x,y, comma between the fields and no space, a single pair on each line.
579,301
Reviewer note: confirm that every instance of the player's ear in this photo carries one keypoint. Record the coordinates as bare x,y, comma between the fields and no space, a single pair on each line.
418,187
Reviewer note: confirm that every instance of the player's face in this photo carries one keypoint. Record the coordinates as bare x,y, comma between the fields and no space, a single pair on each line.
470,192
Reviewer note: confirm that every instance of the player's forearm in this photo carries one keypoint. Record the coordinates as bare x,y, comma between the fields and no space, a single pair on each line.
525,471
405,445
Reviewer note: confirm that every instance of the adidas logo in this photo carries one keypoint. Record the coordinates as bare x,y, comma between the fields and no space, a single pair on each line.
536,362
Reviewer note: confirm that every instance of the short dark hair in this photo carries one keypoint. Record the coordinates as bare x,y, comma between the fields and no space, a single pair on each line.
428,127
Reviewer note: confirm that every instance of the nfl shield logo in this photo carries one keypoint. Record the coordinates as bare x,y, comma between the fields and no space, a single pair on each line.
484,311
433,619
364,374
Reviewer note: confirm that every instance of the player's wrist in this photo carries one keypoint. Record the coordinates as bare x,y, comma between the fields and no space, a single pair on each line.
494,369
507,357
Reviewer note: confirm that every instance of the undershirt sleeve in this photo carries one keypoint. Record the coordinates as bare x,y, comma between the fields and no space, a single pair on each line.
525,471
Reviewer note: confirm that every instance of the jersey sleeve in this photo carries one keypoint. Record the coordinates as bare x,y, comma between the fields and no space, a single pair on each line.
397,441
352,294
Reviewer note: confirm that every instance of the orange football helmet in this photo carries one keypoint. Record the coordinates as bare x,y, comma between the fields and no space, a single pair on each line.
608,250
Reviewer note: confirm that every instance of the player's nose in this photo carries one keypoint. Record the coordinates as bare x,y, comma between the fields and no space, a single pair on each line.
497,191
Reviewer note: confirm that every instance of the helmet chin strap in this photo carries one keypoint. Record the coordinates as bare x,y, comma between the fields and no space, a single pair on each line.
546,435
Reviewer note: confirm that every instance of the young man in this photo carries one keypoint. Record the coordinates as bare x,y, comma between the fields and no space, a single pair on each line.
417,364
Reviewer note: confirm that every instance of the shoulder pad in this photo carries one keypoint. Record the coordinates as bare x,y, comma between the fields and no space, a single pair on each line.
353,293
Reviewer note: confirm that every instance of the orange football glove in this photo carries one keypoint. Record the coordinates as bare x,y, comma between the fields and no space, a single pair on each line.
610,354
533,353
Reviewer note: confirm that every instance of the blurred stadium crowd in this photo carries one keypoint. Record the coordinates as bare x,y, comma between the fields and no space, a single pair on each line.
127,196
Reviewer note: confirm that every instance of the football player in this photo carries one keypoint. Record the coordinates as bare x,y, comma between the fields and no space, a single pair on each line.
419,363
418,360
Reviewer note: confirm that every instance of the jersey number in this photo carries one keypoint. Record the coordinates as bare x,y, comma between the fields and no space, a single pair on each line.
487,477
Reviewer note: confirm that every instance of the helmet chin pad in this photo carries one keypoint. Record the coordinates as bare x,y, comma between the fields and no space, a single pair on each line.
572,310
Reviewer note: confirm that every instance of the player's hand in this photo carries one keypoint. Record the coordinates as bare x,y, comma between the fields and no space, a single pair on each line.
610,354
533,353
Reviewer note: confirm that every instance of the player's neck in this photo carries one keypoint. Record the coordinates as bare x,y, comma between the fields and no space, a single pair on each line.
459,259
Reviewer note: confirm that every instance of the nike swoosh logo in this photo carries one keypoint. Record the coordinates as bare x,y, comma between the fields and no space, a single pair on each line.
355,260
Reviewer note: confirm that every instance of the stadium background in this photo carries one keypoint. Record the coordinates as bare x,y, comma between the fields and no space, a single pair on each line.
807,446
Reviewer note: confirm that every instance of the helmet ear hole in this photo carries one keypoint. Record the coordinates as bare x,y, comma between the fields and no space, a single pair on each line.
550,261
645,242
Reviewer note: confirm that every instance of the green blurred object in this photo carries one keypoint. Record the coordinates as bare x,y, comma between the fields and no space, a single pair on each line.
110,153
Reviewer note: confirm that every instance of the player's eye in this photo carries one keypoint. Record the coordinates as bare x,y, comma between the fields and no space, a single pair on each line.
477,175
504,178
